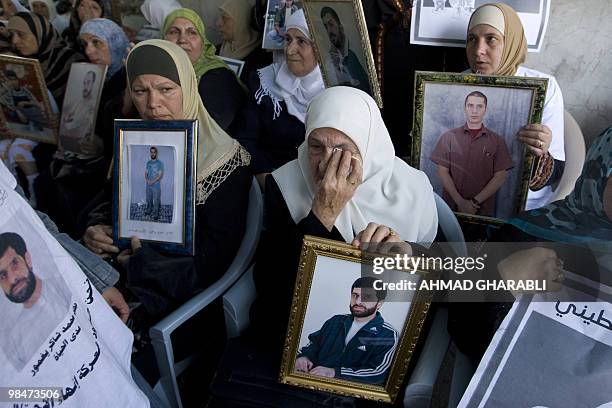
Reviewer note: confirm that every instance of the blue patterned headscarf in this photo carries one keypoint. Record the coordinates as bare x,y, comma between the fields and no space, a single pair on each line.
114,37
580,217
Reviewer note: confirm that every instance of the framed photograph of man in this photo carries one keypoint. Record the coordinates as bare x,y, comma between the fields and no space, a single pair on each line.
277,13
465,139
80,110
347,333
24,102
234,64
444,22
339,32
154,183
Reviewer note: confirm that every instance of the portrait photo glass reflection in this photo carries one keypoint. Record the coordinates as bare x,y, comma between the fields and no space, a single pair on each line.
351,331
469,147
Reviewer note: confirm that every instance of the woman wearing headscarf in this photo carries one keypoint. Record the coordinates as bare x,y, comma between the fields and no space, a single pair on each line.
34,37
271,126
347,185
496,45
46,8
163,282
579,231
82,11
240,41
218,86
73,179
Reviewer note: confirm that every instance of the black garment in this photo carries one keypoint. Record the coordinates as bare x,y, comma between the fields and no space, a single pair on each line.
68,184
258,58
276,265
222,95
472,325
164,282
271,142
400,60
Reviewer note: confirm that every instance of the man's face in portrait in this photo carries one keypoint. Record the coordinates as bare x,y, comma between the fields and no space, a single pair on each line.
153,153
475,109
16,276
88,83
364,302
334,29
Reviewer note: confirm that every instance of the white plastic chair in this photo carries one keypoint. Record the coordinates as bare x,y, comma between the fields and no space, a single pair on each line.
575,151
167,387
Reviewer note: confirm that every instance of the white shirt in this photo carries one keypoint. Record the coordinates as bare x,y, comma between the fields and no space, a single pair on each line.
553,118
355,327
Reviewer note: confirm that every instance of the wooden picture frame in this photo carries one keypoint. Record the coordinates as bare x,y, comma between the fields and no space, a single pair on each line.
353,66
327,280
439,113
25,107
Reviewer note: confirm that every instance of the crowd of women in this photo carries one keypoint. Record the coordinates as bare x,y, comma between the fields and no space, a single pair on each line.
323,157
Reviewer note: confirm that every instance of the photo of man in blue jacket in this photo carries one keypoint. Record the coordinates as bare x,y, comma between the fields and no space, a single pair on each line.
358,346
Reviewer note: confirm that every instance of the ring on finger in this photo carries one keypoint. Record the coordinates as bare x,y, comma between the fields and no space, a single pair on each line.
392,233
540,144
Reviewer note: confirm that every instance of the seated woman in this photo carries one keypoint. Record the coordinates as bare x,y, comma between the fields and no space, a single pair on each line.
496,45
163,84
271,126
346,185
73,179
82,11
220,90
240,41
577,224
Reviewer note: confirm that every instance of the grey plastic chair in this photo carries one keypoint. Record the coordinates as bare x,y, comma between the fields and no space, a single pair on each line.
420,385
167,387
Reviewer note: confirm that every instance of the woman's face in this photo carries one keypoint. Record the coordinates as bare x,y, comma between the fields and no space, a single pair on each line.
24,42
299,53
225,26
321,145
40,7
96,49
484,49
88,10
184,33
157,98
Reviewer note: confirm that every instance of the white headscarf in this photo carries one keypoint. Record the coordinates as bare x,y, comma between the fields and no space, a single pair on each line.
19,7
155,11
392,193
280,84
50,6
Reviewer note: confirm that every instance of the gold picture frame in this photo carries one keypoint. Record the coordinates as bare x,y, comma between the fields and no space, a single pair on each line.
350,21
439,106
36,120
316,271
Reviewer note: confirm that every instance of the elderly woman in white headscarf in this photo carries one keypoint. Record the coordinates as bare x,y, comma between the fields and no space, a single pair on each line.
271,126
346,185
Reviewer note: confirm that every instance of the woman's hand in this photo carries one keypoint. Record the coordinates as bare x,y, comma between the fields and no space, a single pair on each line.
337,187
537,138
124,257
115,300
93,145
533,264
98,238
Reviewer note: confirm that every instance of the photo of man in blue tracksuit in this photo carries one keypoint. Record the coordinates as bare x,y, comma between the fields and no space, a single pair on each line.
358,346
153,175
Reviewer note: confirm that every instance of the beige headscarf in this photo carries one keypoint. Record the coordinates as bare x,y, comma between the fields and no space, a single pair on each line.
391,193
245,38
217,153
515,43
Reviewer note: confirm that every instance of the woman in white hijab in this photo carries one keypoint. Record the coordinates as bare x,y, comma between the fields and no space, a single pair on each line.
346,185
271,126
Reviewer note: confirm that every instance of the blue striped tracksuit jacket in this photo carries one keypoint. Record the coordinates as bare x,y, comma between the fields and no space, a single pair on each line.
367,356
